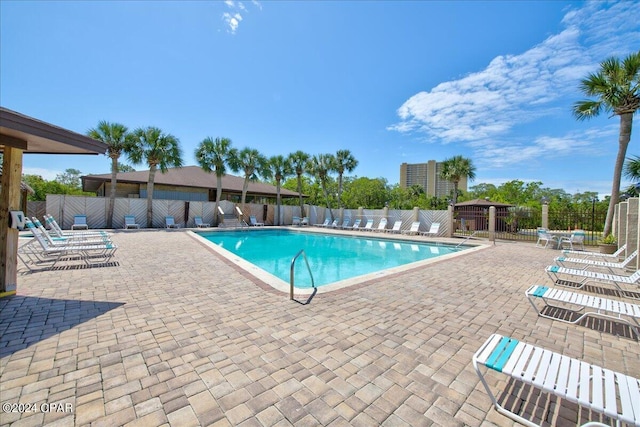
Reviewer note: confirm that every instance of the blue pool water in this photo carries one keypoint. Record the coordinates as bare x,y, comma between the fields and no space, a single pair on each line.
331,257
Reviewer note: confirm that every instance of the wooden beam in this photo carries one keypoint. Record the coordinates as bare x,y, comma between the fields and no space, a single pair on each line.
9,201
11,141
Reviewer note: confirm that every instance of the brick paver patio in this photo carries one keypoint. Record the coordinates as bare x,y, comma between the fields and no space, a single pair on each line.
171,334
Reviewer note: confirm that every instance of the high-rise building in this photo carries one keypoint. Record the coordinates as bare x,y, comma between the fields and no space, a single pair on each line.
427,175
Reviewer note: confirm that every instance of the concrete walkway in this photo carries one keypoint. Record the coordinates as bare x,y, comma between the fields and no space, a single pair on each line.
172,334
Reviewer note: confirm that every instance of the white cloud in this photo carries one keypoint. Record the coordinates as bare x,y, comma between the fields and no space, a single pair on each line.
232,21
233,18
491,154
518,89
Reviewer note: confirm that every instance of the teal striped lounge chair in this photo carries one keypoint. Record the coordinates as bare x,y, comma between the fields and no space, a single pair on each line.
613,394
588,305
554,271
590,255
586,264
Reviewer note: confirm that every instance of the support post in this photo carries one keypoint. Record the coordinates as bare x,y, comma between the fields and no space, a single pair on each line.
9,201
492,224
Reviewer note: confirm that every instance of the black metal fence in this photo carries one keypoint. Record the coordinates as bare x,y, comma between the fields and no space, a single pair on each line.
520,223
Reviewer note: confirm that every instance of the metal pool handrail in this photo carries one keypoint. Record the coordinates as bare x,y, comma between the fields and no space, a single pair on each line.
291,272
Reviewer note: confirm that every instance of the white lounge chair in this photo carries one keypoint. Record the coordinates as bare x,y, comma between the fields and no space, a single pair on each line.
57,231
40,252
415,228
356,224
80,221
576,238
345,223
593,276
334,224
305,221
199,223
382,225
433,230
326,223
39,231
170,222
591,305
254,223
130,222
548,239
296,220
587,263
601,390
397,225
368,226
590,255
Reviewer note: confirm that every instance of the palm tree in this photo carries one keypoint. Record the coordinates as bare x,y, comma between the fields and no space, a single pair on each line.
161,151
616,89
280,169
632,171
299,161
118,141
456,168
213,155
252,164
344,161
320,166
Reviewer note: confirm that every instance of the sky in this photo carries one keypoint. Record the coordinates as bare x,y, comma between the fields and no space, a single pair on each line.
391,81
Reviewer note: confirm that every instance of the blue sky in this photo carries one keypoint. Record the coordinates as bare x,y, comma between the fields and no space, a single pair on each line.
391,81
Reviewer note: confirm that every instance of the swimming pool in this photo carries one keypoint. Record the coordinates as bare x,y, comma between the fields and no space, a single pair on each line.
332,257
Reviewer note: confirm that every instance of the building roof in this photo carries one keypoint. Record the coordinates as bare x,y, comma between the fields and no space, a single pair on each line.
35,136
188,176
482,203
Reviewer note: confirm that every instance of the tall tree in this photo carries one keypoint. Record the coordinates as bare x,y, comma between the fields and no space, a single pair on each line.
615,89
71,178
118,141
344,161
456,168
253,165
280,168
213,155
299,161
320,166
160,151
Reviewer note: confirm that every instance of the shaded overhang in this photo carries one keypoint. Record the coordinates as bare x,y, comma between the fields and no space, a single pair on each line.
38,137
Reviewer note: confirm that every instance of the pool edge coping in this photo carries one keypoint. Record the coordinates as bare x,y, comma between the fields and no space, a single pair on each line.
268,281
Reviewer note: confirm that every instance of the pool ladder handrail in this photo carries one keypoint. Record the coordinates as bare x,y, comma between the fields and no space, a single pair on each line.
468,238
292,274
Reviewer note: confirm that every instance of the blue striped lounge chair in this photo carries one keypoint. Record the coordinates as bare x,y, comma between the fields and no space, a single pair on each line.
613,394
587,305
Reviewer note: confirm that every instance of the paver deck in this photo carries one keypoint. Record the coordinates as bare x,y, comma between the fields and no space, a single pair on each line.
172,334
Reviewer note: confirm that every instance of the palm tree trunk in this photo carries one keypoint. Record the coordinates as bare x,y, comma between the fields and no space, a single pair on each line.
277,202
112,191
455,192
326,197
300,195
626,121
218,196
152,177
245,186
339,191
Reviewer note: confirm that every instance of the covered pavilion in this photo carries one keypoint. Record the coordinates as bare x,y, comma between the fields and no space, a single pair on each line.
21,134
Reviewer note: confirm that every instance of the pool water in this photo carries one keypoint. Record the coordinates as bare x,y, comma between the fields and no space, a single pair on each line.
331,257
